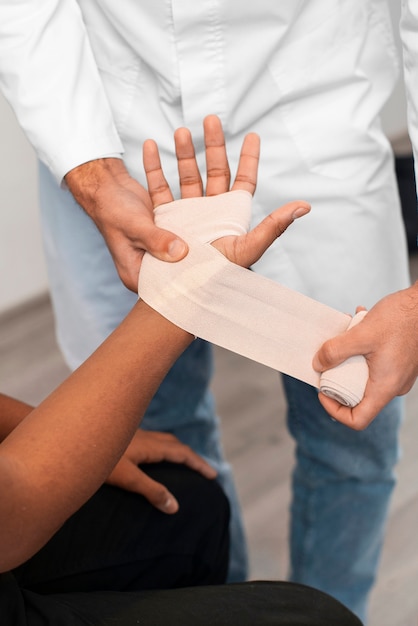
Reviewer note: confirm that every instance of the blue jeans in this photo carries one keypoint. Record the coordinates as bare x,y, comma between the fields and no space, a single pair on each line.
342,484
184,406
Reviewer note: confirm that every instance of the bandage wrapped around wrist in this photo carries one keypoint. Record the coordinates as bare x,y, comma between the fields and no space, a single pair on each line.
232,307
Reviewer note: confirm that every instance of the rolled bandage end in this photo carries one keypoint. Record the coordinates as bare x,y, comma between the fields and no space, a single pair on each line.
347,382
343,396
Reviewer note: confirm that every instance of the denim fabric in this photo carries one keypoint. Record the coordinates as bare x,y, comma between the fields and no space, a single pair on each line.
342,484
185,407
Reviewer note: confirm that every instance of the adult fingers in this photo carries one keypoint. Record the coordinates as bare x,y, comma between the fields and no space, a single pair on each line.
217,166
152,447
161,243
359,417
275,224
246,177
158,186
183,454
191,185
339,349
127,475
247,249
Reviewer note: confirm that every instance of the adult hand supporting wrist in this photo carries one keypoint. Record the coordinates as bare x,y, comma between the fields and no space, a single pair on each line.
122,210
86,180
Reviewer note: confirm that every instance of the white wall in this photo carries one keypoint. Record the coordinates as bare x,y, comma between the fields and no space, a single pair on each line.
22,270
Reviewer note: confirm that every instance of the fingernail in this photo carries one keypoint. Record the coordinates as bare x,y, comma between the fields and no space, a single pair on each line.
170,505
301,210
176,249
167,504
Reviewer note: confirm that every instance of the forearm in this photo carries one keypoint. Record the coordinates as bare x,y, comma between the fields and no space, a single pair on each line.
75,437
12,412
86,181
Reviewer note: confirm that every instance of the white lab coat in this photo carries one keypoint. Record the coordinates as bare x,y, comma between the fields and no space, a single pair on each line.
96,77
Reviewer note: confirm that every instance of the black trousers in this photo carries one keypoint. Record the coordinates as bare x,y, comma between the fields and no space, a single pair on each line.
118,541
120,562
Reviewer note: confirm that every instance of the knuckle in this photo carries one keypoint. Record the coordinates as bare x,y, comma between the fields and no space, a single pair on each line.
190,180
158,188
278,225
186,452
243,178
216,172
328,353
170,437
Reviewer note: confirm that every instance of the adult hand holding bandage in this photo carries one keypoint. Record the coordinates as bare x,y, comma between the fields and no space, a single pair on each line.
212,295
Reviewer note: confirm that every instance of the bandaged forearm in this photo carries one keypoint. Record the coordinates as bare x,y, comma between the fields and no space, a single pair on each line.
235,308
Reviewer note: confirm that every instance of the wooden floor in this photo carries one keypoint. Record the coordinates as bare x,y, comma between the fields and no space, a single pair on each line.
252,407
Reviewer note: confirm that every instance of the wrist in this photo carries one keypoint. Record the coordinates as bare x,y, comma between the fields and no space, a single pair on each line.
85,180
157,336
166,328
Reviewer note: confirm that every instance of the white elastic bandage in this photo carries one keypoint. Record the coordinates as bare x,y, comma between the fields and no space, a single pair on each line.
235,308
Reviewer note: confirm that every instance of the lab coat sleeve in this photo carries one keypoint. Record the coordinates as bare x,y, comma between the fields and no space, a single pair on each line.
49,76
409,34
